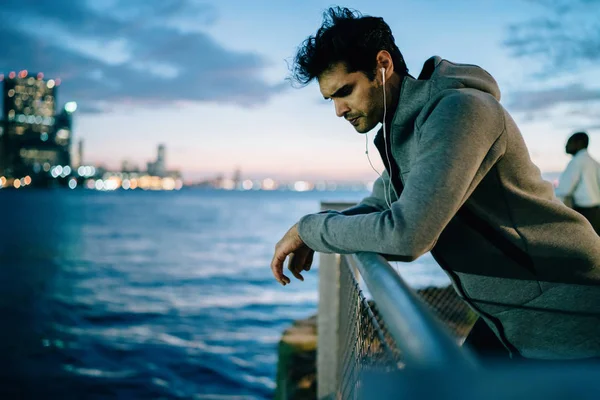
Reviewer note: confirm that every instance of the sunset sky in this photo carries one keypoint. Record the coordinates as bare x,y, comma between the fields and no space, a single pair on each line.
208,78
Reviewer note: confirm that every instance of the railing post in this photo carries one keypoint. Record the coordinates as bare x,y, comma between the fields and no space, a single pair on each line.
328,318
328,326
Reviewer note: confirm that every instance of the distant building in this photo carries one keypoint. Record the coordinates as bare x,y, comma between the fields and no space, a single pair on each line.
126,166
129,166
237,178
80,153
34,136
1,147
63,133
28,139
158,167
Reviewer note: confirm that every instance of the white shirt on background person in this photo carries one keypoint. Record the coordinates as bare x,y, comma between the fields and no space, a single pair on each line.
581,179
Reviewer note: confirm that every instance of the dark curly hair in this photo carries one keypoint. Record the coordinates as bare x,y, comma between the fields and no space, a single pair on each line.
582,138
346,36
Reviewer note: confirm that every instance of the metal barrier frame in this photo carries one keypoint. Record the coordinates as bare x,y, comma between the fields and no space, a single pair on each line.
425,343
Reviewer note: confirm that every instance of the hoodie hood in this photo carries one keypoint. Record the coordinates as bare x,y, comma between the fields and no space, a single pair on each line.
436,76
448,75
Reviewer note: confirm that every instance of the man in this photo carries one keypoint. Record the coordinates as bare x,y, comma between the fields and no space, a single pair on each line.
459,182
580,182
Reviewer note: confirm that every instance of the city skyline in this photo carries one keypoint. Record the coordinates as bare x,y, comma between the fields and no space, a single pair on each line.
209,80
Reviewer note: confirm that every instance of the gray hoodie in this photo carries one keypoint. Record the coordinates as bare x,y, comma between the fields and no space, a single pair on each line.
467,190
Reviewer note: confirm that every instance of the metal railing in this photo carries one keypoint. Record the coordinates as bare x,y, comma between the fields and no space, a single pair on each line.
394,331
365,345
405,343
424,342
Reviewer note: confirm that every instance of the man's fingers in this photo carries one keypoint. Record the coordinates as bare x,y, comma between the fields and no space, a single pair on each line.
295,261
290,245
309,259
277,266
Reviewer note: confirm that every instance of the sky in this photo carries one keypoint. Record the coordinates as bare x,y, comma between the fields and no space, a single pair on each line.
208,78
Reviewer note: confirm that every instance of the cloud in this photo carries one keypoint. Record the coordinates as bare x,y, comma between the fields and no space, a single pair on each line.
538,100
564,38
132,52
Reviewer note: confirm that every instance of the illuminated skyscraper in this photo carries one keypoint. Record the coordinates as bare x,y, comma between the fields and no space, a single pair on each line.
63,133
28,139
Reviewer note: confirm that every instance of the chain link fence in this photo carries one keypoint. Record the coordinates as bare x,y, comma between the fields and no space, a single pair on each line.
365,343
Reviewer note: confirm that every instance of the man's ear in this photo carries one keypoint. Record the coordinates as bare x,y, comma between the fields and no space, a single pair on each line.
384,60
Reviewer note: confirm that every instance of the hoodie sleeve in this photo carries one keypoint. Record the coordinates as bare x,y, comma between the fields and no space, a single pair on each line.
376,202
459,142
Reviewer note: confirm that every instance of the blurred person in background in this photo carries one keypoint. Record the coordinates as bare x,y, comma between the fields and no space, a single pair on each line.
458,182
579,184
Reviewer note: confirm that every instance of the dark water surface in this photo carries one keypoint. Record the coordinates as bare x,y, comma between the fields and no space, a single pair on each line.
148,294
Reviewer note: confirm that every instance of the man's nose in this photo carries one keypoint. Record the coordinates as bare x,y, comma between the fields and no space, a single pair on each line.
341,108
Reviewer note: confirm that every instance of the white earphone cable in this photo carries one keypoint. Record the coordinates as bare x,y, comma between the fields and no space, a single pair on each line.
387,191
388,203
389,188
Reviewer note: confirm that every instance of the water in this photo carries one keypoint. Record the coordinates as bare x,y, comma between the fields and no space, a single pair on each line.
150,294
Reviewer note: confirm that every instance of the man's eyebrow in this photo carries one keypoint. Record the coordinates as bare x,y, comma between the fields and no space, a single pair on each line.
337,92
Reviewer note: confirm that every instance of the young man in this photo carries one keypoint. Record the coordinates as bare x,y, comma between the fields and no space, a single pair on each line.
459,182
580,181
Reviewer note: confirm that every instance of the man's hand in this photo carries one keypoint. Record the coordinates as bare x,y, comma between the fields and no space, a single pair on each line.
300,256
